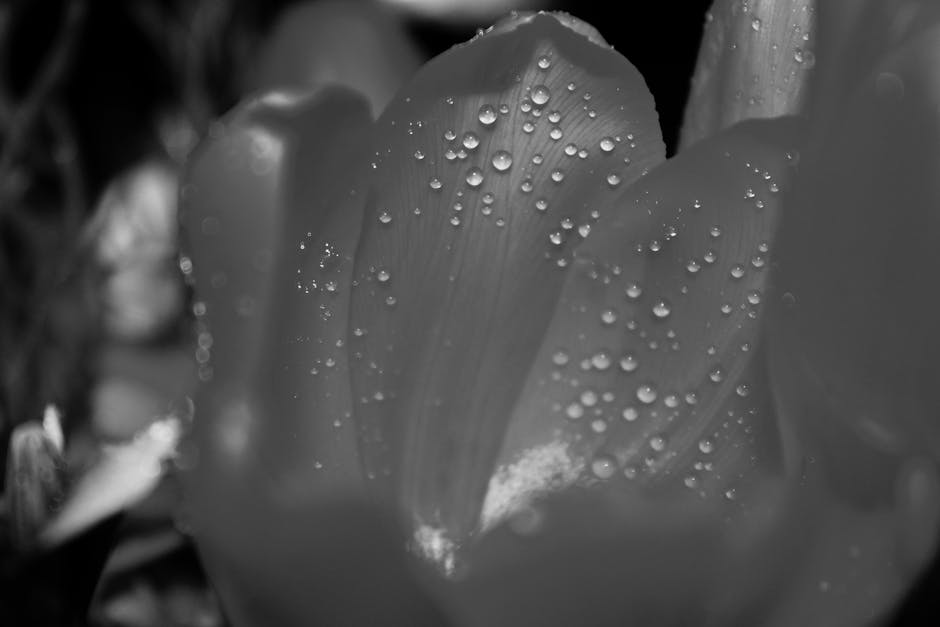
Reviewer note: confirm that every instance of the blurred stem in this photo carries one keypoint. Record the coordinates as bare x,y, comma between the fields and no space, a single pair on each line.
50,76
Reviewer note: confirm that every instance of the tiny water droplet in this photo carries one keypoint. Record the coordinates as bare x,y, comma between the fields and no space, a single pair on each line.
540,94
589,398
556,238
629,362
646,394
502,160
554,117
455,220
601,360
470,140
603,467
450,135
475,176
662,309
742,390
487,115
526,185
574,411
541,204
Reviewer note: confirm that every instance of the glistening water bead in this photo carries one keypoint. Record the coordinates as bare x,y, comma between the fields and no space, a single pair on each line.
487,115
540,94
502,160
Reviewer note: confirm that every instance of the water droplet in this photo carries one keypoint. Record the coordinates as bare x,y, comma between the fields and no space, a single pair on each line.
390,301
571,150
607,144
526,185
487,115
710,256
528,127
383,276
716,375
537,158
613,179
737,271
657,443
715,231
560,358
691,398
435,183
646,393
706,446
589,398
730,494
634,291
608,316
455,220
630,414
556,237
544,62
662,309
753,297
554,117
598,425
541,204
574,411
755,24
584,230
601,360
385,217
502,160
629,362
555,133
475,176
419,155
470,140
693,266
540,94
742,390
582,154
572,86
450,135
603,467
558,176
488,198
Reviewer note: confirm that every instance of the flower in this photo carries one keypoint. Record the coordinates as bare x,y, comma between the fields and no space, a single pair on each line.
500,314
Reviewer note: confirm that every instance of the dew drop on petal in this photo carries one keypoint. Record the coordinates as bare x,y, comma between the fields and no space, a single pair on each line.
634,291
662,309
544,62
435,183
558,176
608,316
487,115
419,155
475,177
755,24
613,179
555,133
541,204
470,140
574,411
450,135
540,94
502,160
629,362
385,217
706,446
607,144
560,358
383,276
646,393
601,360
657,443
603,467
571,150
737,271
630,414
742,390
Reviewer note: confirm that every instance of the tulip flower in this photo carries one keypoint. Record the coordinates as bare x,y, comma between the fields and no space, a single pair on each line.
491,359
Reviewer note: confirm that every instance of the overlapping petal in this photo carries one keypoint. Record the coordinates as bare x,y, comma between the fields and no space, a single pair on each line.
754,62
490,153
644,376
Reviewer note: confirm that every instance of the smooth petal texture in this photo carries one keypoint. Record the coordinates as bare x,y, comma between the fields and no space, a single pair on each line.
494,146
271,440
360,45
754,62
645,376
855,343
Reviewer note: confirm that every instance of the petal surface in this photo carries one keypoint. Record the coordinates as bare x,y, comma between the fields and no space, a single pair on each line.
754,62
480,162
645,376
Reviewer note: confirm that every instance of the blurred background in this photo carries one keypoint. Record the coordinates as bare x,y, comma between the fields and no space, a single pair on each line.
100,103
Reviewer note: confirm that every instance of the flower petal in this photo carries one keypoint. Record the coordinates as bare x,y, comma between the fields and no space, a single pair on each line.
492,146
753,63
645,374
272,226
855,351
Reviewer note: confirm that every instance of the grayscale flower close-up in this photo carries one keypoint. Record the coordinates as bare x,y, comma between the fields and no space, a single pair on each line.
512,335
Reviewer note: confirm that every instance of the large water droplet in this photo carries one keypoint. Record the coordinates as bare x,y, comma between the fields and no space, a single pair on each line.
662,309
470,140
502,160
603,467
540,94
474,177
487,115
646,393
607,144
